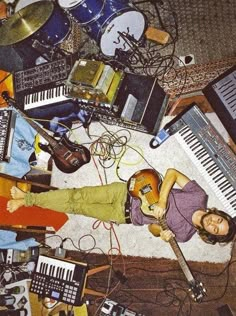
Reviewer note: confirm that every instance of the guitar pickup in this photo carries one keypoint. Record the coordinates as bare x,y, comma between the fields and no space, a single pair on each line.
147,188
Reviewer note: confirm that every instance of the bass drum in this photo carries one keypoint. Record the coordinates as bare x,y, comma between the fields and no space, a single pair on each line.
117,24
83,11
55,30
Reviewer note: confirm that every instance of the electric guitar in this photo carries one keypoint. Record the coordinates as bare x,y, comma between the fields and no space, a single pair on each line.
68,156
145,185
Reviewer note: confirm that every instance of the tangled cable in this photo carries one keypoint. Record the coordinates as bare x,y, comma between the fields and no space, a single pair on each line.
110,146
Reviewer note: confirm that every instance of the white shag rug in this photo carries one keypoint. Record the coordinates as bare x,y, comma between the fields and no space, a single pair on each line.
136,241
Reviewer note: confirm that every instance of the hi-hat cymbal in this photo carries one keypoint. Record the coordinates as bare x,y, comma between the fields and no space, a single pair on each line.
25,22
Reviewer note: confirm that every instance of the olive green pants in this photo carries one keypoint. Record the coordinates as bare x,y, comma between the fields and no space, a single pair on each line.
105,202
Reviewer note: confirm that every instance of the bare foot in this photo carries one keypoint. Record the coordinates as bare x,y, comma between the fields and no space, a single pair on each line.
13,205
17,193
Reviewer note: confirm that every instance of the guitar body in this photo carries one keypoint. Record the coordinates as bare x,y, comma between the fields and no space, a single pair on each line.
68,156
145,184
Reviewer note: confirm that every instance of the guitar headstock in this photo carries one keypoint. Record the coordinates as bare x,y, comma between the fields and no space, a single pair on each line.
197,291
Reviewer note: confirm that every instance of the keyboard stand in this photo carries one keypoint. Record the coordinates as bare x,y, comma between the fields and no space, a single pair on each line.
94,271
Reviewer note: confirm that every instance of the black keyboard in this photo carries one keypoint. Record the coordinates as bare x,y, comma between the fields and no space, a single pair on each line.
7,123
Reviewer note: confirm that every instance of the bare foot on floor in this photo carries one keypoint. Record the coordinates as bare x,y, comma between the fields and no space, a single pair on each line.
13,205
17,193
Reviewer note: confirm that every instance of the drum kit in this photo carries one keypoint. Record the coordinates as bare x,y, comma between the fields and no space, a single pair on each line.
108,22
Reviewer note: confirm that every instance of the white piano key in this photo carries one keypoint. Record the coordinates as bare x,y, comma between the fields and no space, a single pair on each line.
46,97
209,169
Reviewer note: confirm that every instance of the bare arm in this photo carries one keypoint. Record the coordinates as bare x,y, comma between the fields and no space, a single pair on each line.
171,177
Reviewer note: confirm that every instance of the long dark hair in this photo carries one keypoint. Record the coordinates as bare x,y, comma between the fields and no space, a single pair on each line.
213,239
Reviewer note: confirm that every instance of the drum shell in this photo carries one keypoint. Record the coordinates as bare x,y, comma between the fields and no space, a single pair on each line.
110,11
55,30
85,11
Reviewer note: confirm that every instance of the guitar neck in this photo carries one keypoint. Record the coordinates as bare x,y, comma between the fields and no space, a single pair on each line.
174,245
40,130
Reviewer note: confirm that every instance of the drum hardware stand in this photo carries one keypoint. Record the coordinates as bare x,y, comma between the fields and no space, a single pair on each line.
154,3
134,46
50,53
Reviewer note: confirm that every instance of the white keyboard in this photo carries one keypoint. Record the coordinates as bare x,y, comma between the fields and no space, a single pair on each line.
215,162
46,97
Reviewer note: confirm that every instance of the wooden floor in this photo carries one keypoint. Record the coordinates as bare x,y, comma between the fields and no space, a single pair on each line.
157,287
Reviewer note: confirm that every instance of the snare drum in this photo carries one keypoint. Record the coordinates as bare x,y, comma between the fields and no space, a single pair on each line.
55,30
116,17
83,11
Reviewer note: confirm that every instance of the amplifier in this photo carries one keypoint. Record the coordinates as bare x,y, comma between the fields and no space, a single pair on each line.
141,100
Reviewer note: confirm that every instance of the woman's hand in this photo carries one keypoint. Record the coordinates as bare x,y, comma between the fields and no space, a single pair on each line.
158,211
166,235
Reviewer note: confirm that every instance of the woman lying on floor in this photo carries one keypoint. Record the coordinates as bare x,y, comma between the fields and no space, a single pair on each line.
185,208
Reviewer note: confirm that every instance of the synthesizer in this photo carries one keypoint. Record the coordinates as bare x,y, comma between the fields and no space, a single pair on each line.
60,279
221,94
43,84
7,123
206,148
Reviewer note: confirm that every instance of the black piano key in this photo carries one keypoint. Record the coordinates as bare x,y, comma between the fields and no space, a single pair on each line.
226,187
63,273
196,146
67,275
232,195
192,146
230,192
224,183
189,139
184,130
219,178
202,154
216,175
206,161
211,168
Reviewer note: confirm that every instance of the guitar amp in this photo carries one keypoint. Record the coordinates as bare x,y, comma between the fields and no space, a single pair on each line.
141,100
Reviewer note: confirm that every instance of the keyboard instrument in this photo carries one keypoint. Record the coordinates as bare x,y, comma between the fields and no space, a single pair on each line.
221,94
7,123
60,279
209,152
44,97
43,85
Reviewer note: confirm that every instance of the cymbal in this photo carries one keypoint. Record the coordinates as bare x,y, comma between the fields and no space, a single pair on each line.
25,22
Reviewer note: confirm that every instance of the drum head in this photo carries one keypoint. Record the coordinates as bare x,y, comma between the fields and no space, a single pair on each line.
23,3
65,4
131,22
